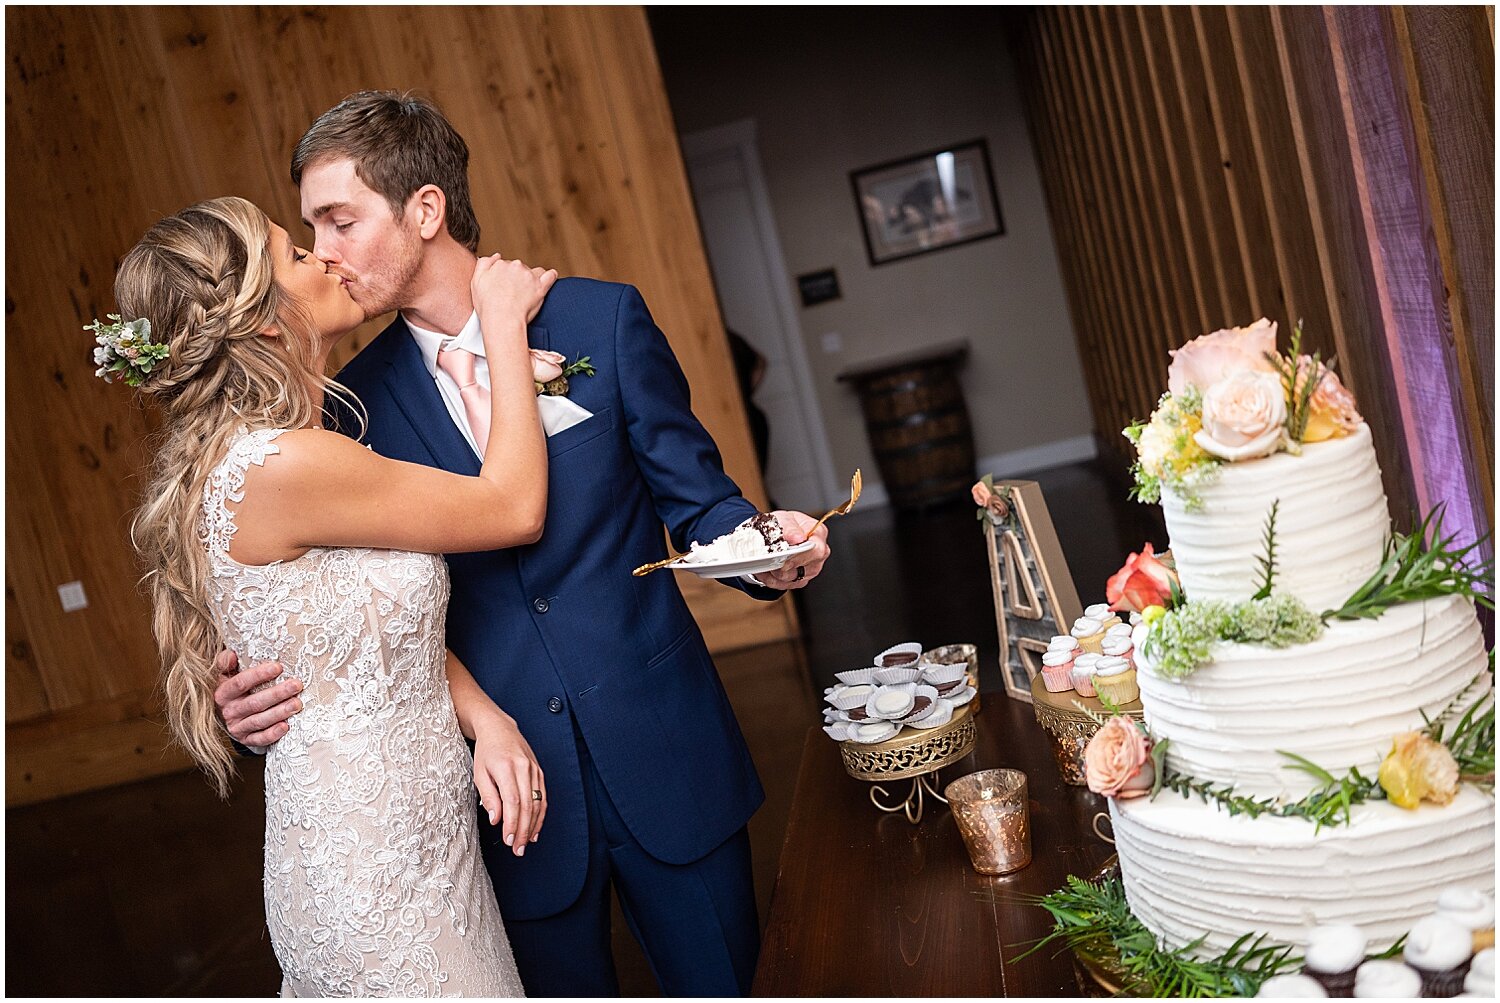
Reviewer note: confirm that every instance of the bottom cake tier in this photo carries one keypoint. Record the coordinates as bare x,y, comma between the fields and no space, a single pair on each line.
1193,870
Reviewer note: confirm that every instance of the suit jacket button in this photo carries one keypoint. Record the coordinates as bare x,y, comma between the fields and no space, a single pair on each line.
555,705
540,605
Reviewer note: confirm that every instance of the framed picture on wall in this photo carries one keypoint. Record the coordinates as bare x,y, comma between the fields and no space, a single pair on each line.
926,202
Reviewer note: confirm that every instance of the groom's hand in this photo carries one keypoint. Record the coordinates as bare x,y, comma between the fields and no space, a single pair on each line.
255,719
803,568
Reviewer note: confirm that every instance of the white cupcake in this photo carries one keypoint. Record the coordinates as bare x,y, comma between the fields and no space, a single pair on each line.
1062,642
1481,978
1471,909
1437,948
1333,953
1089,633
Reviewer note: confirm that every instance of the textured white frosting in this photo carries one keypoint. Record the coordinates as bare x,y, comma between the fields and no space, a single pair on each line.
1331,525
1338,701
1191,869
745,543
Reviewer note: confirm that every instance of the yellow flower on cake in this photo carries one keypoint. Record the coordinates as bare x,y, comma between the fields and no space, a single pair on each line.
1243,416
1211,358
1418,769
1331,413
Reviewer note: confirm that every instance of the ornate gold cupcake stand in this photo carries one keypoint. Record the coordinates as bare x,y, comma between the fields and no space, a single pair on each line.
912,755
1068,727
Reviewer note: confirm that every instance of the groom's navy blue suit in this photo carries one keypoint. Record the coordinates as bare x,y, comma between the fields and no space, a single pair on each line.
607,675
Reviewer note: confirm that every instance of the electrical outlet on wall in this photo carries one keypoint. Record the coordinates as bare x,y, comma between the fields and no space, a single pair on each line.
833,343
72,596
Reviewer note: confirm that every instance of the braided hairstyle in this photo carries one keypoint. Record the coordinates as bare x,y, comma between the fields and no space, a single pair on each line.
205,280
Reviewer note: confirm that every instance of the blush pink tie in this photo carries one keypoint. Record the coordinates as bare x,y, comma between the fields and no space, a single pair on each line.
459,364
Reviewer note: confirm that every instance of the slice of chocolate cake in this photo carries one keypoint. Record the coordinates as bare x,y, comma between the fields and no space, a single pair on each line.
769,528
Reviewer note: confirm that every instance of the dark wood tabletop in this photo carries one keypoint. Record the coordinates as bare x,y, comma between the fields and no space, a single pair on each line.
867,904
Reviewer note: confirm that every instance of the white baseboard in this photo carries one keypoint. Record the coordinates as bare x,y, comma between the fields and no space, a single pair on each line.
1078,449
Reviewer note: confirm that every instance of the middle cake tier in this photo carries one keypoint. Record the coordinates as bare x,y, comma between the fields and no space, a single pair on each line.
1338,701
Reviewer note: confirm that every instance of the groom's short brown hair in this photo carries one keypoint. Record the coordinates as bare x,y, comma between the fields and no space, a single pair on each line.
398,142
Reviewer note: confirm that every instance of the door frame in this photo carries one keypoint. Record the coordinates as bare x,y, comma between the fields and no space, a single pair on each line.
739,137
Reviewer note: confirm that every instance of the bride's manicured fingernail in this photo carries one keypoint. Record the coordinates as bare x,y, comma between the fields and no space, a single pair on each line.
494,818
522,851
510,839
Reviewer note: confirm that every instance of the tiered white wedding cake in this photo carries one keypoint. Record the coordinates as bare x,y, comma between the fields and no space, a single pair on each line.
1337,695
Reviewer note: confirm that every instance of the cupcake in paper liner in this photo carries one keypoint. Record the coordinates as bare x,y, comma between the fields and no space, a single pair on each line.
850,697
1063,642
1115,678
1057,671
1471,909
941,715
856,677
906,653
1089,634
1289,987
1119,647
872,732
888,703
1386,979
924,702
1438,949
838,731
1084,667
1481,978
941,675
1333,954
1100,611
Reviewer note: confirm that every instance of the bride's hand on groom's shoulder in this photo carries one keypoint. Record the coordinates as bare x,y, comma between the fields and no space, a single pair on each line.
799,572
510,781
254,717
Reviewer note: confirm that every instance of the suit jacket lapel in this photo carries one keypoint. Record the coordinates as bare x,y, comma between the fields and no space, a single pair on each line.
416,394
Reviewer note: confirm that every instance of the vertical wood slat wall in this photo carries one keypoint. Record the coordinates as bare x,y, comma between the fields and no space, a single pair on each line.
1206,166
118,116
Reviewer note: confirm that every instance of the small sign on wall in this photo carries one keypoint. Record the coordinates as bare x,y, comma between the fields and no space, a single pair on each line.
818,287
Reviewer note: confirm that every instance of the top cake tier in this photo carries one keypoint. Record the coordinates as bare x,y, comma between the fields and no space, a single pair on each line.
1331,524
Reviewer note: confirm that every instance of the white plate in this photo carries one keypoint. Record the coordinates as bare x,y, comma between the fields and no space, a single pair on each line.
751,566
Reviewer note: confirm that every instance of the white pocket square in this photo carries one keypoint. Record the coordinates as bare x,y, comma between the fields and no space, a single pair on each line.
559,413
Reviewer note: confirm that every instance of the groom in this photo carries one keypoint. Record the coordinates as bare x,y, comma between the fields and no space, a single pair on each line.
649,782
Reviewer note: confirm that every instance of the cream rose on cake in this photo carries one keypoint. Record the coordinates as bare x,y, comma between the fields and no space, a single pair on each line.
1244,416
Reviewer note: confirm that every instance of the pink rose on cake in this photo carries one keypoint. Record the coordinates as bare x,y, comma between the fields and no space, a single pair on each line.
1330,413
1211,358
1144,581
1244,416
1117,761
546,366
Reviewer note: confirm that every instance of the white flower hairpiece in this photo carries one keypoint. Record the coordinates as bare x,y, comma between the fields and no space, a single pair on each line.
126,347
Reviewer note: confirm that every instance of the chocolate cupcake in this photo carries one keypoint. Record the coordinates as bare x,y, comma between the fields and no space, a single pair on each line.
1438,949
1472,910
1333,953
1381,979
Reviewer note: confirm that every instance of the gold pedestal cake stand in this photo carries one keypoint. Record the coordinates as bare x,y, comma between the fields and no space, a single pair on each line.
915,755
1068,727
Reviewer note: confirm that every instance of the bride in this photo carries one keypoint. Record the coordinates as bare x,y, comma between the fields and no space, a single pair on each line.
281,541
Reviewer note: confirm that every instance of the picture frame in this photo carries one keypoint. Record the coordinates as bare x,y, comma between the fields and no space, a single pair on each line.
926,202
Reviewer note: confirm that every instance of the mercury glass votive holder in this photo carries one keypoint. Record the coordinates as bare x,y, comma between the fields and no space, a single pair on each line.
993,818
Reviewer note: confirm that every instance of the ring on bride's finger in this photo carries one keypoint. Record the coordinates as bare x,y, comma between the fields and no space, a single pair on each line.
536,795
801,573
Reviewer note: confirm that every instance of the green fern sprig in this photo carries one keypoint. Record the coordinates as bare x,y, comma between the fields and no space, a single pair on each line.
1268,560
1412,570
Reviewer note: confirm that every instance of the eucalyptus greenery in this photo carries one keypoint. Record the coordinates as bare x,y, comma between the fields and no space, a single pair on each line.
1412,570
1095,918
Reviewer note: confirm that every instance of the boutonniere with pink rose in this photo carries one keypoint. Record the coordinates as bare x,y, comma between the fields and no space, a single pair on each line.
550,372
1232,397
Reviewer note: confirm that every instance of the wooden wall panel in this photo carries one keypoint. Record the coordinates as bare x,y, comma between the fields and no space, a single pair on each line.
1210,165
118,116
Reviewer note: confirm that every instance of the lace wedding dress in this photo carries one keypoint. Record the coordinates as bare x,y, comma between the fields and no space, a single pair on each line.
374,884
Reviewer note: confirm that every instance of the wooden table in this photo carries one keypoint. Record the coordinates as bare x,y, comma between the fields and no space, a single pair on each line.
867,904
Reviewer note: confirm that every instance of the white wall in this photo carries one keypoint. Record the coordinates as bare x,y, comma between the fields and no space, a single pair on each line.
833,91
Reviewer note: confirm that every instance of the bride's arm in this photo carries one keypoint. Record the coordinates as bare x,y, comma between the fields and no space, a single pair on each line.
505,769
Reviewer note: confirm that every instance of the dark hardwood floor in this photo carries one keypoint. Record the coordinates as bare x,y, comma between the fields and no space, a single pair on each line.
153,888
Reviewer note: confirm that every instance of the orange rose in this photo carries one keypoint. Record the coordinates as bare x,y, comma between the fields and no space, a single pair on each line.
1143,581
1118,759
1206,360
546,366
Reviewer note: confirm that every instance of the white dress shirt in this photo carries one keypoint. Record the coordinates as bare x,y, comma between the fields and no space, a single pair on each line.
557,413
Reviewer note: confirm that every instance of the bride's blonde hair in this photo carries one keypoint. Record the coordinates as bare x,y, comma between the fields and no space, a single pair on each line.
204,279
